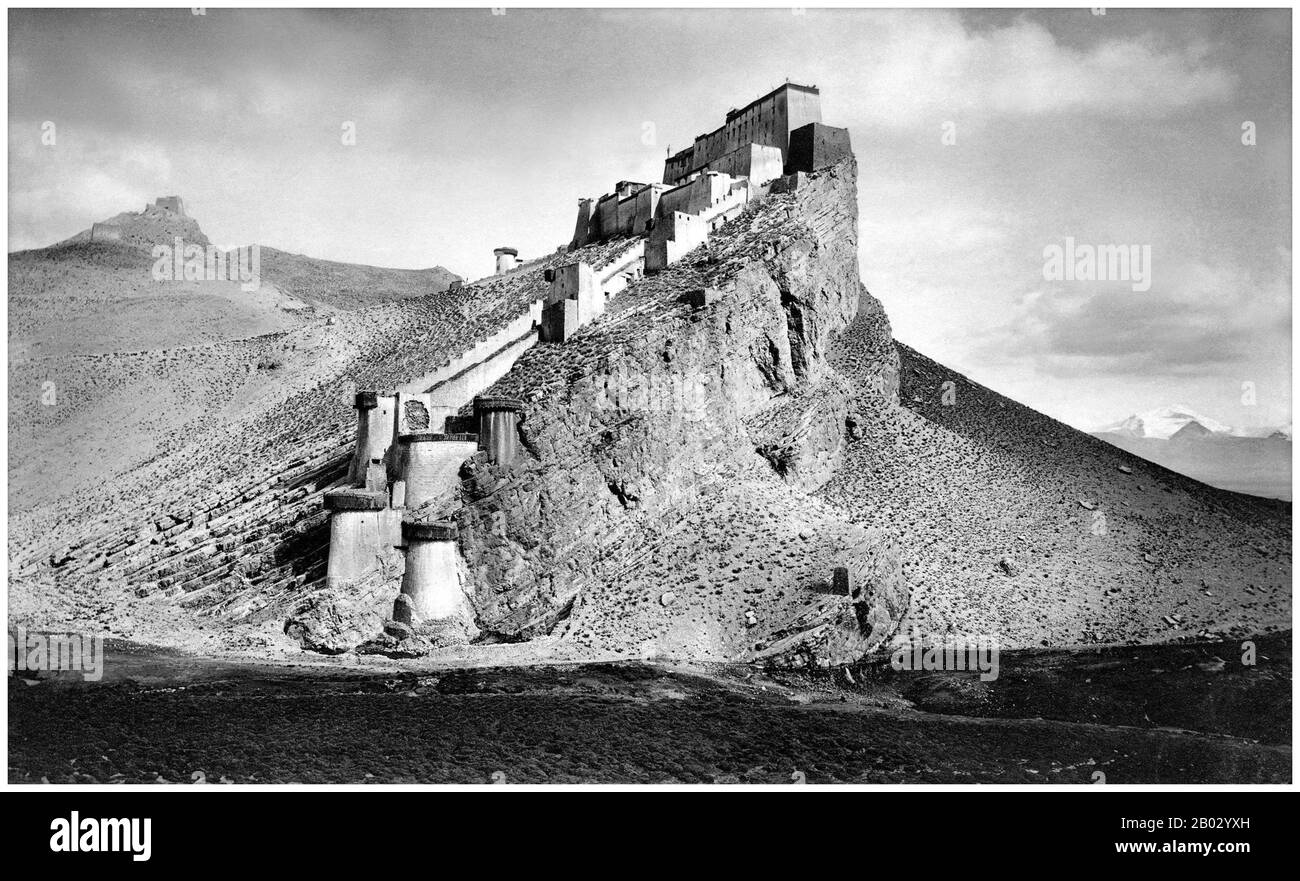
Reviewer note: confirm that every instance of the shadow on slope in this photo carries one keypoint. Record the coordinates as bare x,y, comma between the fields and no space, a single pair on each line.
1258,466
1018,527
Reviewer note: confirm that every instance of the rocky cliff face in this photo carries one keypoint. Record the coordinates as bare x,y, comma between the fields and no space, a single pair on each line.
704,389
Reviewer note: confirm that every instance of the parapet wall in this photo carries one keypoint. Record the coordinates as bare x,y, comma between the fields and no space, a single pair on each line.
105,232
449,379
622,270
454,393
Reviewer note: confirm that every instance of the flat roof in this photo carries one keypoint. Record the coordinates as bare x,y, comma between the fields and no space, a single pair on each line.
732,114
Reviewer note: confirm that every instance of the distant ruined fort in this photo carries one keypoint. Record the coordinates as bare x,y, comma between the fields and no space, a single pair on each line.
411,442
113,232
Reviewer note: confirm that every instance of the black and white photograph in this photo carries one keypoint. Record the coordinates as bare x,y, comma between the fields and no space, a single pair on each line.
649,398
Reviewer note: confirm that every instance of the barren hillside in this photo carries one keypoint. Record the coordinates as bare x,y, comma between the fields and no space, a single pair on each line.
111,369
326,283
636,525
1016,525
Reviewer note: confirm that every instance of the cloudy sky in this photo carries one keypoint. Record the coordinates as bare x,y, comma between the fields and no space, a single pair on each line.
475,130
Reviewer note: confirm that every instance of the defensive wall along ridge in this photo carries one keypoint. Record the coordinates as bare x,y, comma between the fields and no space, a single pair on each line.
368,516
411,441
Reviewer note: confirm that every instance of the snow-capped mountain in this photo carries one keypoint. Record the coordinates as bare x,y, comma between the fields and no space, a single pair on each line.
1254,460
1165,422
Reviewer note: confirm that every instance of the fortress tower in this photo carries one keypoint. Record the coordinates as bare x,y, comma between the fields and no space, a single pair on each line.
766,121
498,427
374,436
174,204
363,534
507,259
778,134
432,597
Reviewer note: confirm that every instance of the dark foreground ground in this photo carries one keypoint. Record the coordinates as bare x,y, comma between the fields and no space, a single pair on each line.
1158,714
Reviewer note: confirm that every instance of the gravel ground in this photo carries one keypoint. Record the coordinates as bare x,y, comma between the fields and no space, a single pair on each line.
1158,714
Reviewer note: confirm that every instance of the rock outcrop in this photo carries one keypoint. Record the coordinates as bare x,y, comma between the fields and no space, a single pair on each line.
630,424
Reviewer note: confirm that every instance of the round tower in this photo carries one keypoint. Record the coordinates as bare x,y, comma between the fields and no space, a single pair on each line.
364,532
507,259
498,427
431,584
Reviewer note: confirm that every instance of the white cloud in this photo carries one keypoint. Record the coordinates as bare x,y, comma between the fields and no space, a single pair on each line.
1198,320
926,67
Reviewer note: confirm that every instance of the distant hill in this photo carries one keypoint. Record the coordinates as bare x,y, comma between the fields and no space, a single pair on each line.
348,285
1164,423
142,229
1260,466
1257,462
138,362
94,293
83,298
1193,430
1016,524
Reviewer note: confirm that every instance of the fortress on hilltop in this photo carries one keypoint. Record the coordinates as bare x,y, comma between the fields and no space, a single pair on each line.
159,221
779,134
371,544
411,441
